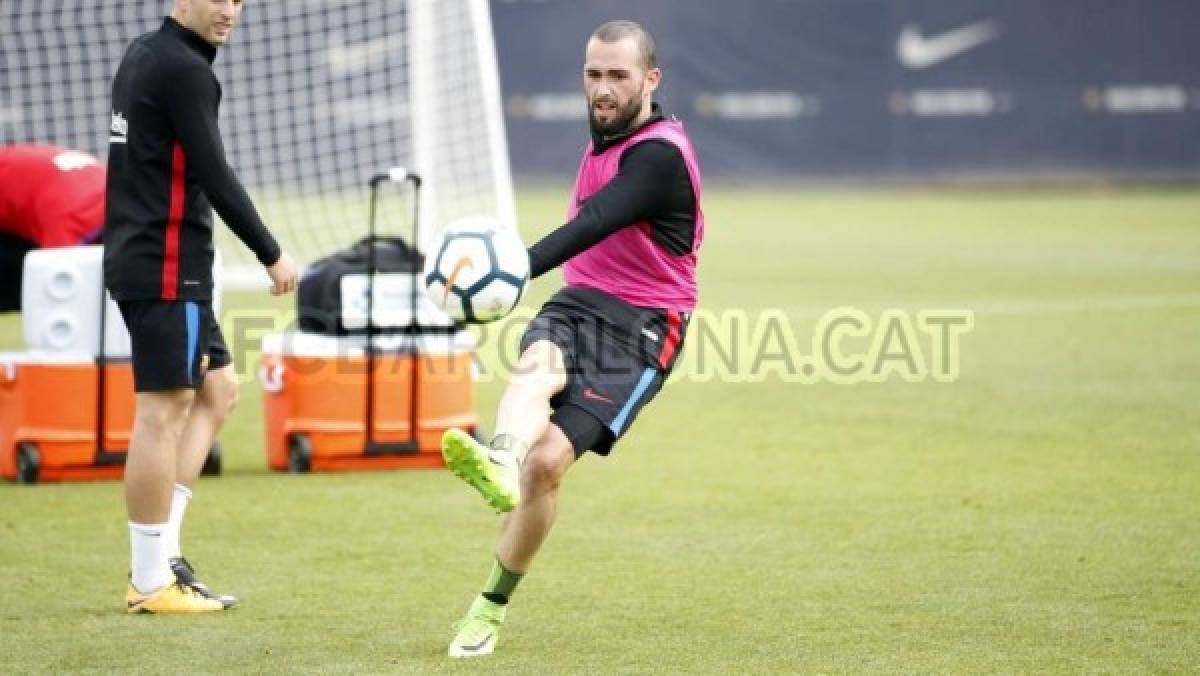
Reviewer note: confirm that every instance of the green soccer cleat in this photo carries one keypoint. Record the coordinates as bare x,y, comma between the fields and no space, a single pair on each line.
495,474
479,630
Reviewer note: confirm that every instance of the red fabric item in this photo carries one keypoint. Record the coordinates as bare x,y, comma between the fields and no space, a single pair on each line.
50,196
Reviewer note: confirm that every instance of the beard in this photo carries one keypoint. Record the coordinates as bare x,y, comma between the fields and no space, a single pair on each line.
621,120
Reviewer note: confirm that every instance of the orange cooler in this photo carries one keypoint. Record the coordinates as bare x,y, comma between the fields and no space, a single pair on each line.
49,414
316,404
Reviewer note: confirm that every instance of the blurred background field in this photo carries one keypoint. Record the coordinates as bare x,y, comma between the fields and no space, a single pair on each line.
1038,514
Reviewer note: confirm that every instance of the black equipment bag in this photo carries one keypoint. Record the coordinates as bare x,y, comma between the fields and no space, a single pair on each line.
319,296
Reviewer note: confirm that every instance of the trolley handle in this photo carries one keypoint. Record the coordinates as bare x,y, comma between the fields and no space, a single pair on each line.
395,175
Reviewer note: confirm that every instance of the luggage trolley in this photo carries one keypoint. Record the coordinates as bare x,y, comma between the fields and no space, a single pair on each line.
376,400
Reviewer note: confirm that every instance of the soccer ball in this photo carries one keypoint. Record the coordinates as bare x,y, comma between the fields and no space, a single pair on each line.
478,270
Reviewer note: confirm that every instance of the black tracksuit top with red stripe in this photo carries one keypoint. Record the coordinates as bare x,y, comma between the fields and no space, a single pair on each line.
167,171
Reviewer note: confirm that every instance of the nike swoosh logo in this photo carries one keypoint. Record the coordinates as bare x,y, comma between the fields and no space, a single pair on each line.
478,646
917,51
592,394
464,262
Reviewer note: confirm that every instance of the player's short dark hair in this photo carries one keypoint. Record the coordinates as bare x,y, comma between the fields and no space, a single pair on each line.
615,31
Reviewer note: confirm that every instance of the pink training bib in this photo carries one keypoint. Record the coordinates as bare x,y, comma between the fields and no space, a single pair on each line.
629,264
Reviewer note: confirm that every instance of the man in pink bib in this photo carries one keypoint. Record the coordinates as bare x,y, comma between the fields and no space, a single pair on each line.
599,349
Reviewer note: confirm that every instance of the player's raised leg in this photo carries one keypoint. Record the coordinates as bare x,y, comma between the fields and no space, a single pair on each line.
523,417
522,534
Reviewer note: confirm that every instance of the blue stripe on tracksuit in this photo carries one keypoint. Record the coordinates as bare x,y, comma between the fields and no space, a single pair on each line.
193,329
642,386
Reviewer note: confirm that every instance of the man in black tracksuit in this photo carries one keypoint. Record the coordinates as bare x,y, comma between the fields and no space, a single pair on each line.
166,173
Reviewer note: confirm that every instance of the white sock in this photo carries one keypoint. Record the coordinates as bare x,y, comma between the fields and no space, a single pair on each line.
510,443
150,568
179,503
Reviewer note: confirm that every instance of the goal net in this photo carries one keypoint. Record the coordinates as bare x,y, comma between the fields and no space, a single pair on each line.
319,95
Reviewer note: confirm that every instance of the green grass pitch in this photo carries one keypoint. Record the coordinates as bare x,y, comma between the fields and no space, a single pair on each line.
1040,513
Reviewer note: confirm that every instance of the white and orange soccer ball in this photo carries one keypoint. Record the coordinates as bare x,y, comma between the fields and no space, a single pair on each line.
477,270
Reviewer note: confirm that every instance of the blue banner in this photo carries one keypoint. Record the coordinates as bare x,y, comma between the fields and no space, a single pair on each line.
880,88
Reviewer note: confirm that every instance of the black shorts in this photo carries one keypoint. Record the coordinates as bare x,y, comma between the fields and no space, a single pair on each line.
617,357
174,343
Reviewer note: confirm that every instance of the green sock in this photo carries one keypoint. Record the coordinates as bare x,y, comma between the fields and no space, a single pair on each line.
500,583
507,442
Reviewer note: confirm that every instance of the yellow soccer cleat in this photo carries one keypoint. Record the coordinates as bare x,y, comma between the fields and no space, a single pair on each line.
171,599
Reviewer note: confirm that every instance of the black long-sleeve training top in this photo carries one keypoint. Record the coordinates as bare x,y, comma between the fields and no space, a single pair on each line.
167,171
652,184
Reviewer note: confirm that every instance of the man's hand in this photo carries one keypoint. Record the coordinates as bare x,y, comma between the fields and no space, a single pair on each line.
283,275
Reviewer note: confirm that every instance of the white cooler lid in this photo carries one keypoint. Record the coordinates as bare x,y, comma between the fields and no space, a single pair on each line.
302,344
46,357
